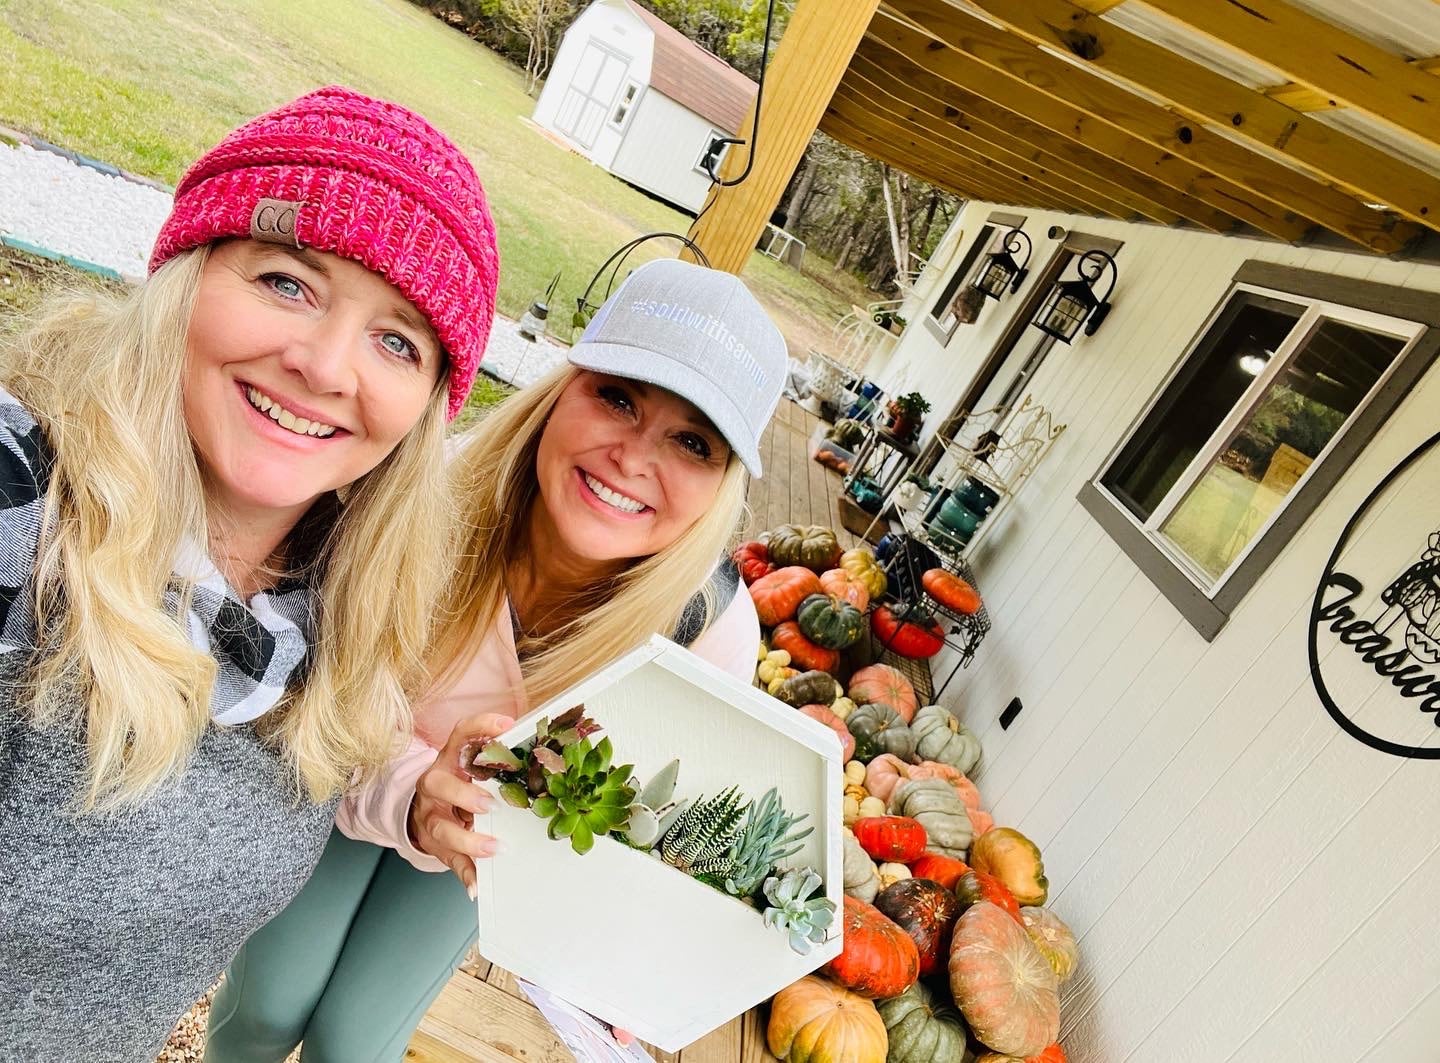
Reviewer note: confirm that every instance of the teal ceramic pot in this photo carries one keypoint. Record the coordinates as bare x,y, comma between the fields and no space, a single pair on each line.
946,539
976,496
958,518
866,494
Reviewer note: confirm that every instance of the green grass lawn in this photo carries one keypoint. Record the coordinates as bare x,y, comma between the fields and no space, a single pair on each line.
148,85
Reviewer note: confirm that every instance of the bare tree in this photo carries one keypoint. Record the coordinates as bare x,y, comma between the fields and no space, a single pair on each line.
897,218
539,22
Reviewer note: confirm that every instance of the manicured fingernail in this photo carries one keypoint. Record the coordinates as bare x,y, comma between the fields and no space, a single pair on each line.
470,890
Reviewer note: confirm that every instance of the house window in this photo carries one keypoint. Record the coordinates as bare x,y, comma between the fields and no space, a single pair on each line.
1288,378
709,151
943,318
624,105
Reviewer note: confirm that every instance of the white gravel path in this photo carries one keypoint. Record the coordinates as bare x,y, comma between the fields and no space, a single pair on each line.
49,202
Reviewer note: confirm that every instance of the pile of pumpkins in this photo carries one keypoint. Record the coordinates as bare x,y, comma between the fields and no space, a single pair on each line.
814,598
949,955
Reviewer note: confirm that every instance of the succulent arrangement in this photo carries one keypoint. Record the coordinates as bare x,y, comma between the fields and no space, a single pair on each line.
727,841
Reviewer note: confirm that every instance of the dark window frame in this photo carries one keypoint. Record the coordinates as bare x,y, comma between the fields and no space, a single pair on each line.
990,228
1209,612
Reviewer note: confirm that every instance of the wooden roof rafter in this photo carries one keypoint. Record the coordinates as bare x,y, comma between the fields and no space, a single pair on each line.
1343,69
898,85
854,98
954,42
896,147
1362,171
1040,118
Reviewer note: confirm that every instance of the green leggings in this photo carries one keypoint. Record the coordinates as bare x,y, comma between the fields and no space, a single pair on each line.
349,967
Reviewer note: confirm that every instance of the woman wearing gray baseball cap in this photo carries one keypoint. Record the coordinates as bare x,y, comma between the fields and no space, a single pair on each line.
594,506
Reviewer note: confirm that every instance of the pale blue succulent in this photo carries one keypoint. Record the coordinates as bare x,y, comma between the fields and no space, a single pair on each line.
794,910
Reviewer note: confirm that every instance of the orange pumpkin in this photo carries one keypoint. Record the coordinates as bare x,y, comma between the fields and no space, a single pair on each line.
1001,984
753,561
843,585
878,958
981,822
882,683
823,714
897,838
945,870
779,594
976,886
1052,1054
816,1021
1015,860
950,591
802,651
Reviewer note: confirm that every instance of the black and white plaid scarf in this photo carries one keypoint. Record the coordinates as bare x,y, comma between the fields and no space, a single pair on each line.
259,645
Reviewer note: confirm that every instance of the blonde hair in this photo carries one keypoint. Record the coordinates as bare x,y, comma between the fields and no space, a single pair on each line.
102,376
494,485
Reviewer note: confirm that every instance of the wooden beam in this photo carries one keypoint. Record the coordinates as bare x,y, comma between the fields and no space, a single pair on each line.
1205,95
808,63
968,182
897,147
1101,101
858,104
1040,119
938,104
1321,55
1303,98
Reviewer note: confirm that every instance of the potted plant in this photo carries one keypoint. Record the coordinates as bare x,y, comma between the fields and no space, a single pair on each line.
906,413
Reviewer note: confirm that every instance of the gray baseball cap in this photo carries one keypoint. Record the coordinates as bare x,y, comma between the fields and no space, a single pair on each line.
699,333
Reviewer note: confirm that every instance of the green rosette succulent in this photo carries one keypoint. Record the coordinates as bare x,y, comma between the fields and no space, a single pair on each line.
589,798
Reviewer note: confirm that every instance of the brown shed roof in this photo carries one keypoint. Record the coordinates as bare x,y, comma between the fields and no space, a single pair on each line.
695,78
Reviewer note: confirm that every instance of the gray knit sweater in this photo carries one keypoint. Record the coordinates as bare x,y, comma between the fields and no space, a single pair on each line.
111,927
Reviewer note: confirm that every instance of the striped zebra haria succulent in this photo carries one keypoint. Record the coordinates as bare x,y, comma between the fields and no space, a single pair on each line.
699,840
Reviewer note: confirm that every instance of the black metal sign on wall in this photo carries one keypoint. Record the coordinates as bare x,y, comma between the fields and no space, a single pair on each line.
1374,635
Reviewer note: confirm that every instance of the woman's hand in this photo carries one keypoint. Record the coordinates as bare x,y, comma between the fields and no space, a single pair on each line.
447,799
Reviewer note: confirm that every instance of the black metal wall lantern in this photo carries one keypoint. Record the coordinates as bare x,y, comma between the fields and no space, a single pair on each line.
1002,269
1073,303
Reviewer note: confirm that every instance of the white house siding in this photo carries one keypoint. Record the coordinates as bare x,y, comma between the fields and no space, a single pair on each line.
619,32
660,151
1247,882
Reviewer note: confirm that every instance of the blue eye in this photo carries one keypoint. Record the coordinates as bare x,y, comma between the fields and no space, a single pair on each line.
284,286
399,346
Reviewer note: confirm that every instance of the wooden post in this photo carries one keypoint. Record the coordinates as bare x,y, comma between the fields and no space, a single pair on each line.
809,62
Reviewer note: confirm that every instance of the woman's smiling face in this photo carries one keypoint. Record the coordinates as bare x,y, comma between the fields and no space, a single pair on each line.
626,468
304,370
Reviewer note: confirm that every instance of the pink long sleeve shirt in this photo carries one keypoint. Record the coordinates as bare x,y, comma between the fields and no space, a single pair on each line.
379,812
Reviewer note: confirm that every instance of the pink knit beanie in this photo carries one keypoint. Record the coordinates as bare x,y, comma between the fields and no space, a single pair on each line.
364,179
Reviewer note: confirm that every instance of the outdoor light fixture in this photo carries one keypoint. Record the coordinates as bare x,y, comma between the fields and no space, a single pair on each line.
1073,303
1002,269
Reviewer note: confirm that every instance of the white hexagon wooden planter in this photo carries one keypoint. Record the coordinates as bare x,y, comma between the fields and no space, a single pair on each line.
617,932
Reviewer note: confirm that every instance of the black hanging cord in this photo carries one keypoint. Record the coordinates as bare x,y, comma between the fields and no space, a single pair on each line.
712,157
617,260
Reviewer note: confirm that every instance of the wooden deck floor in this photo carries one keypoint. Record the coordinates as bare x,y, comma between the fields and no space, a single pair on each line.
482,1015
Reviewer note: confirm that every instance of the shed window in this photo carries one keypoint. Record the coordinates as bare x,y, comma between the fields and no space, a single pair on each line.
709,151
1270,404
624,105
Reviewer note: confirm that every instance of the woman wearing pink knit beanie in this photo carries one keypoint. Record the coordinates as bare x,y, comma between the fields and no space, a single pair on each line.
222,533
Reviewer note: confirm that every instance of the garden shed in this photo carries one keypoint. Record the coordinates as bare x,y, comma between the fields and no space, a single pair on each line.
640,99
